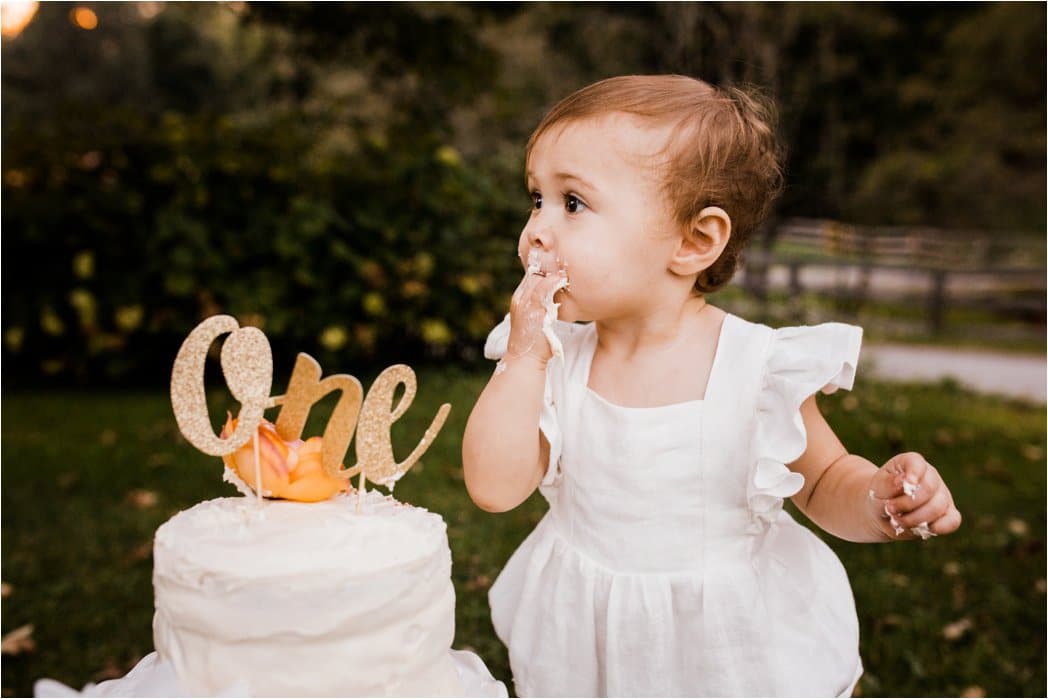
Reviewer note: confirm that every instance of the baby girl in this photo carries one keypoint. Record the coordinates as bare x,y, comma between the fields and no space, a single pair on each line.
664,432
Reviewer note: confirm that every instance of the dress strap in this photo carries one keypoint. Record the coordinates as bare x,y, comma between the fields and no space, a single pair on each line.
734,386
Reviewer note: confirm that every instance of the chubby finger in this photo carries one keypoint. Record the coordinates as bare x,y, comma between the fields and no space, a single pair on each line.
520,292
948,523
551,284
915,495
534,290
931,510
899,476
909,469
526,307
883,486
526,285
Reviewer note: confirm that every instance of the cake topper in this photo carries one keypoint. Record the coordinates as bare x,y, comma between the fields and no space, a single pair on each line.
247,365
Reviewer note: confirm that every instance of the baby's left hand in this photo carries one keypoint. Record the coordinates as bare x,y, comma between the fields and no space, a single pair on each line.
915,499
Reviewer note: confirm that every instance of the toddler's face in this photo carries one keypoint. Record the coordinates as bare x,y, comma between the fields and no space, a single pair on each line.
597,206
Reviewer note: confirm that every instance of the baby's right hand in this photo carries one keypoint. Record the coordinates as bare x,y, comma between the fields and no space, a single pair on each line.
527,311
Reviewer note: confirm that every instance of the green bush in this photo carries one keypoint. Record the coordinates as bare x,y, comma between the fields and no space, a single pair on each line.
127,235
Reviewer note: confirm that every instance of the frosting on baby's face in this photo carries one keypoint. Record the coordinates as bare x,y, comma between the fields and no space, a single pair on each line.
542,262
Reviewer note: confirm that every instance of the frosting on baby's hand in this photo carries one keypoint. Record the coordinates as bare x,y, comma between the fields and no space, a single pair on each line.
910,488
544,263
551,315
923,531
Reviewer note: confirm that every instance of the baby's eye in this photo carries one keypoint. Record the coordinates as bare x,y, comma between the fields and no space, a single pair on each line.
536,200
573,204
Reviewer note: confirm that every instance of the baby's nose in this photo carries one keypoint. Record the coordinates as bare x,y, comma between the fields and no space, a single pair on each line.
540,237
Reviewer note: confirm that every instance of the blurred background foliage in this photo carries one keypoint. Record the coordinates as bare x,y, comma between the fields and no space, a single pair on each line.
348,176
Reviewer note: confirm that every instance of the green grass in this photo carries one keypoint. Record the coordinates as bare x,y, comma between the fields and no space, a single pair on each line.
76,548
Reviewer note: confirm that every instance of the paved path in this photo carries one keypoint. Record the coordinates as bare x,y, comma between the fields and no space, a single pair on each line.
1014,375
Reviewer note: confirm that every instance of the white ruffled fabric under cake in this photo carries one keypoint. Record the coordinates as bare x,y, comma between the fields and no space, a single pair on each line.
666,565
153,677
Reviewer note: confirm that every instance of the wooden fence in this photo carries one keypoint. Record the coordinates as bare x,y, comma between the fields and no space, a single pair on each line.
1002,273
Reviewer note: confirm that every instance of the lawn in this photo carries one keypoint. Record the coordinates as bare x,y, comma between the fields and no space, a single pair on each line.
87,478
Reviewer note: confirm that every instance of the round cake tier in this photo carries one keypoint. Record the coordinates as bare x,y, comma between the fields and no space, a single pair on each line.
306,599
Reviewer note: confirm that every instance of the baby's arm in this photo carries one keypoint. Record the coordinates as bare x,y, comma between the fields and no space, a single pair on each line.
503,453
504,456
855,500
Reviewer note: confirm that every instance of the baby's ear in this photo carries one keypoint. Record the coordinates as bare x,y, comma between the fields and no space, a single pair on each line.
703,242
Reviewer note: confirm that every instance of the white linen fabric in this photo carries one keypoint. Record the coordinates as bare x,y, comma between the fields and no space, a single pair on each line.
665,565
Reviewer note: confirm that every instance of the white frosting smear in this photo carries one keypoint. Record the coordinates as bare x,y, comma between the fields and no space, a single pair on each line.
923,531
541,262
910,488
544,263
551,315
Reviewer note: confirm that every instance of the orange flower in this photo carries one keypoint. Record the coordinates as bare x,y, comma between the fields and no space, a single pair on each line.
290,470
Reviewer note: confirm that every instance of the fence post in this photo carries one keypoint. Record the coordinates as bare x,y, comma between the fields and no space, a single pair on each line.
795,278
937,302
756,279
794,304
865,269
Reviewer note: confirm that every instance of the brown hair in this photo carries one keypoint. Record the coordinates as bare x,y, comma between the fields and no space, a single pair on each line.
723,151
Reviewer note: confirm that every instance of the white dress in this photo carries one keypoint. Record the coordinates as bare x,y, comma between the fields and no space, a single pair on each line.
665,565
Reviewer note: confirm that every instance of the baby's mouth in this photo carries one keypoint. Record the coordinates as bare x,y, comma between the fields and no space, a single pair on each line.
541,262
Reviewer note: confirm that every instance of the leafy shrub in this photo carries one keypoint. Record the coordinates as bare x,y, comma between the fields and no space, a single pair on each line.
121,238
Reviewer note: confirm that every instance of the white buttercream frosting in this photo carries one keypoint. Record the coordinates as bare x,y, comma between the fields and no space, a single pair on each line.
306,599
544,263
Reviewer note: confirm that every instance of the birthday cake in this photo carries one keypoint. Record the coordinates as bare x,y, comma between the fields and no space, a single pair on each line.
304,586
301,599
306,599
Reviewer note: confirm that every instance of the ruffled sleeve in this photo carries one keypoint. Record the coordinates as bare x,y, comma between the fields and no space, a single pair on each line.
800,362
495,348
498,339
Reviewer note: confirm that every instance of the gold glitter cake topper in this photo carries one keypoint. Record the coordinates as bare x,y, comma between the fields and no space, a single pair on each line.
247,365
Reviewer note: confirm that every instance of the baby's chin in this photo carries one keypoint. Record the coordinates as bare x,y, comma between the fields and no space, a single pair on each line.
567,311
